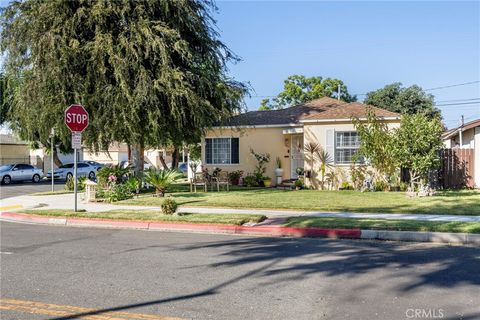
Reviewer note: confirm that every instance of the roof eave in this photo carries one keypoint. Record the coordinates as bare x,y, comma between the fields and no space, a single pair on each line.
344,119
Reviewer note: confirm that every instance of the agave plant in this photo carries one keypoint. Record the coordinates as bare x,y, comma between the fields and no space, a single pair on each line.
161,179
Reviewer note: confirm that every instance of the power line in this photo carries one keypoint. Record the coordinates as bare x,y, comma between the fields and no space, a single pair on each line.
456,104
458,100
453,85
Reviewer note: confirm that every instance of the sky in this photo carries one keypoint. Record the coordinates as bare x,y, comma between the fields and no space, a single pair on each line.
366,44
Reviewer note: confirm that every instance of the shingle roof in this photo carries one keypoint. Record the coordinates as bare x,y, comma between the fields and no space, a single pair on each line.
323,108
467,126
290,115
350,110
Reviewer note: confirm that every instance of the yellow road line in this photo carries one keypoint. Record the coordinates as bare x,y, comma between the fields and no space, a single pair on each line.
15,206
63,311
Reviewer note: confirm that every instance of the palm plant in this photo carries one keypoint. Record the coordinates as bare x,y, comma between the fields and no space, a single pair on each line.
325,163
162,179
311,150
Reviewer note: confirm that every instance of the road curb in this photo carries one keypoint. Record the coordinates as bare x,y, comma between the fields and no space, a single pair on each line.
260,230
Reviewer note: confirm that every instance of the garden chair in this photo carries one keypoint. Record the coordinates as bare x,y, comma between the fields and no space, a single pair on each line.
222,178
199,179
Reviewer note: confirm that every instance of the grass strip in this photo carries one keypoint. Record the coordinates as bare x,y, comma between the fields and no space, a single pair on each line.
465,202
383,224
151,215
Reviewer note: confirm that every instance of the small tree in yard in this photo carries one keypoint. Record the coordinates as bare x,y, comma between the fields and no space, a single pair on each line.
376,145
416,145
161,179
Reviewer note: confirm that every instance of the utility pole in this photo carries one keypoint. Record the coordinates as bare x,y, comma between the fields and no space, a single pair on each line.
52,135
339,91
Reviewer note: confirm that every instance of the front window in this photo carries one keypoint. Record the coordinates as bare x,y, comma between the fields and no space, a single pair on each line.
346,146
221,151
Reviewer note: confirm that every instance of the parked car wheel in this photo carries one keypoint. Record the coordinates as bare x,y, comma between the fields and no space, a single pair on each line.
6,180
69,176
36,178
91,175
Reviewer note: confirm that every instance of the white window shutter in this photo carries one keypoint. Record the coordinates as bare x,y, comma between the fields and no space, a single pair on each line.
330,144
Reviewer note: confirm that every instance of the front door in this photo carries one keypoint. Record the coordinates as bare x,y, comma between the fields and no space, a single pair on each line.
296,155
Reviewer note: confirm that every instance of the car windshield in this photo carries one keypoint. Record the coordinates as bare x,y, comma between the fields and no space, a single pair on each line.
66,166
6,167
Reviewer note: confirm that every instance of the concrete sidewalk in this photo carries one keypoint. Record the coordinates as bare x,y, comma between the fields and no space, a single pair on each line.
66,201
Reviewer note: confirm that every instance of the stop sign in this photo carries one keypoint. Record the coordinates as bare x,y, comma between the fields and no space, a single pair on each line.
76,118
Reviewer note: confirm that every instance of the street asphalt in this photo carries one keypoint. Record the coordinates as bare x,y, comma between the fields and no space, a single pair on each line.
22,188
230,277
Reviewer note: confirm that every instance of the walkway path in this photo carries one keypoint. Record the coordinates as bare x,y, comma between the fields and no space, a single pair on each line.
65,201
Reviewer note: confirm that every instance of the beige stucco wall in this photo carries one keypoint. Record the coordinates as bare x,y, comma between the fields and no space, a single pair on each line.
317,132
262,140
11,153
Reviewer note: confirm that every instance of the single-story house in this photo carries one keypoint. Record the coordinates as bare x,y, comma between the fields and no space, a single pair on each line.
466,136
284,133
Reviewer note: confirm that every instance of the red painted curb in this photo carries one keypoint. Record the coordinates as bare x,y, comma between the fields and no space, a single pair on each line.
269,230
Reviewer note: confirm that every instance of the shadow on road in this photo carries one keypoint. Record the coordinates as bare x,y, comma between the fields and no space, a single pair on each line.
454,266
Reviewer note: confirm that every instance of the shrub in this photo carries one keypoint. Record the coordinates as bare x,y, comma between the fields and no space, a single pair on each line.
104,173
403,186
169,206
117,192
346,186
81,183
69,185
250,181
234,176
133,184
298,183
381,185
161,179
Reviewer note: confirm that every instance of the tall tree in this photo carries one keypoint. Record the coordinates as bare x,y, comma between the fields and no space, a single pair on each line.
148,72
409,100
299,89
416,145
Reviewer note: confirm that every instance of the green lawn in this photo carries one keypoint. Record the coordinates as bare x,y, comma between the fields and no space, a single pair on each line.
465,202
150,215
384,224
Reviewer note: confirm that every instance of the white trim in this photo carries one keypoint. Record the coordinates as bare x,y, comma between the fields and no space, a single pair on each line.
261,126
343,120
293,131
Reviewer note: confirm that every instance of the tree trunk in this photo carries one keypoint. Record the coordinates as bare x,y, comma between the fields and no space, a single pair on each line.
162,160
56,159
129,153
175,155
138,158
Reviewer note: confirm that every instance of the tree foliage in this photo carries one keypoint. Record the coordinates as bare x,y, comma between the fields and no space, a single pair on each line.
299,89
409,100
416,145
377,144
150,73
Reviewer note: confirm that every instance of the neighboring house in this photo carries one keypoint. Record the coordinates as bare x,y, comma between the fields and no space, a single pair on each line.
466,136
283,133
14,150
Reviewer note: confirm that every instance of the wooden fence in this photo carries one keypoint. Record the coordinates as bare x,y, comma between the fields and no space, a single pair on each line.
457,168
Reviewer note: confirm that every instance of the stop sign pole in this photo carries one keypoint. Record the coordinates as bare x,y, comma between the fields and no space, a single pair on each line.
76,119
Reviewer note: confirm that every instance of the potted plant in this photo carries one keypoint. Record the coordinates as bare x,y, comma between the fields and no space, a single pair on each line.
261,167
278,170
267,181
235,176
298,184
300,171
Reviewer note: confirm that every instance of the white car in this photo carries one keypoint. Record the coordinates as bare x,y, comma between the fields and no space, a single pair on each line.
19,172
95,164
65,171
